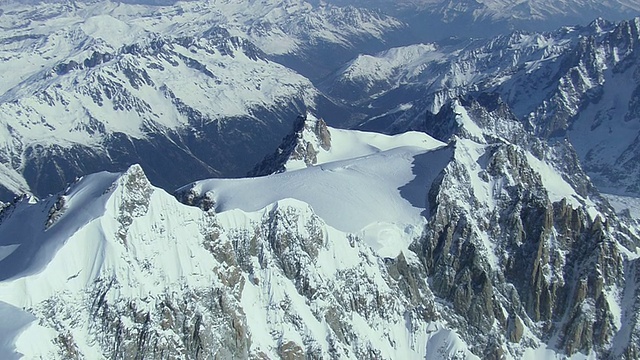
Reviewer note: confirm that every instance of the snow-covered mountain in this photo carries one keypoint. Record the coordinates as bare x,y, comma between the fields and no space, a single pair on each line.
438,19
384,247
292,29
93,85
479,235
578,83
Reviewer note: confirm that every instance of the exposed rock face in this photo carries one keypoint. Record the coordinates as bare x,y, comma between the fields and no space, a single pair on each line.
519,253
309,136
519,257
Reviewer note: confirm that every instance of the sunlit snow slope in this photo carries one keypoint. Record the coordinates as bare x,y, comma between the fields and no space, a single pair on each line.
364,183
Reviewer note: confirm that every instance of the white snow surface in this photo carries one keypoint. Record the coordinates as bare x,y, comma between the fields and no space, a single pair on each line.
621,203
353,144
13,323
361,185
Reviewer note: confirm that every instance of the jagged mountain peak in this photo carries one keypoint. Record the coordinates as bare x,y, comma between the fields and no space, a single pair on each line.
469,216
117,282
299,149
477,244
483,118
56,218
312,142
560,84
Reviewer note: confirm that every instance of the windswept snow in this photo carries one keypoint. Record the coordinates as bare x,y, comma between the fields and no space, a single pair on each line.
352,144
25,248
13,323
359,186
445,344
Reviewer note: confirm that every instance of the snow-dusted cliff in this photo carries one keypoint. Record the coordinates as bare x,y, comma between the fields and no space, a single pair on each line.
407,248
578,83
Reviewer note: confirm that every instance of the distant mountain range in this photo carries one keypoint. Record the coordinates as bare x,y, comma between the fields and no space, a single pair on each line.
101,85
433,20
576,83
319,179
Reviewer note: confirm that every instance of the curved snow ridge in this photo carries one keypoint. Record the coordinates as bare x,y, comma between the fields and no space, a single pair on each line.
50,223
349,195
349,144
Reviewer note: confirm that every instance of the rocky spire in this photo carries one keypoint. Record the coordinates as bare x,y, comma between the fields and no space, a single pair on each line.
300,148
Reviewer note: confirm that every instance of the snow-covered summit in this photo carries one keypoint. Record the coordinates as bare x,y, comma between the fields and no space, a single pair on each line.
358,182
312,142
117,260
455,247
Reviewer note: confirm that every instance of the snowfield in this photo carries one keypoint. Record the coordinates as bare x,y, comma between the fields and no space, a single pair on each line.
363,185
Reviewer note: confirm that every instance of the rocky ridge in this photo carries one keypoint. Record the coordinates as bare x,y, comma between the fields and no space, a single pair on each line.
520,257
298,149
560,85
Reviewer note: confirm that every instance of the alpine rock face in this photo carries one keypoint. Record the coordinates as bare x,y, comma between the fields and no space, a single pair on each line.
562,84
491,245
